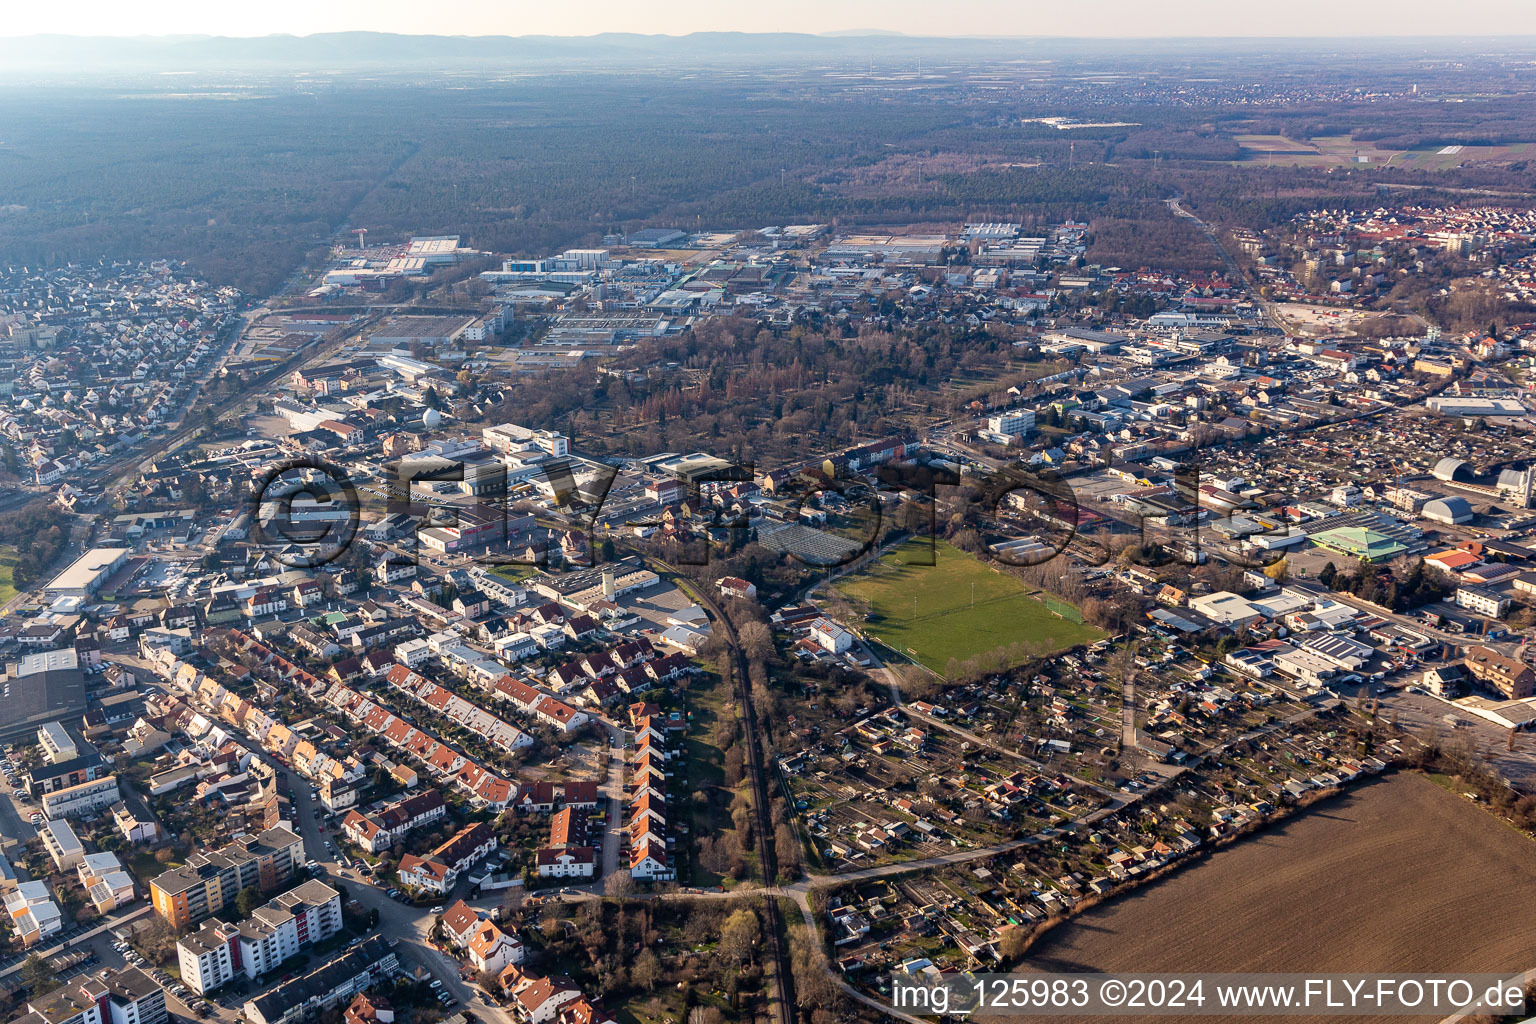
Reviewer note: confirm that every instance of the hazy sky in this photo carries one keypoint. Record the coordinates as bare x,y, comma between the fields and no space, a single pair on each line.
675,17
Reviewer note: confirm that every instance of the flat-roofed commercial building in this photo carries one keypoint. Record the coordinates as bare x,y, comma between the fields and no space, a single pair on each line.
37,689
405,331
86,573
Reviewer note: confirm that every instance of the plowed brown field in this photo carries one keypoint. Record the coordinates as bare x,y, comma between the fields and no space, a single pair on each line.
1398,876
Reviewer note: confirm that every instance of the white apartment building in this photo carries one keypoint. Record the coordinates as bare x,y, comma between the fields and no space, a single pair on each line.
1483,601
1012,424
304,915
85,798
207,956
56,743
62,844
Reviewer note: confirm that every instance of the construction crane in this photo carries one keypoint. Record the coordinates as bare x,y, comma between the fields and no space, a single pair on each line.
361,234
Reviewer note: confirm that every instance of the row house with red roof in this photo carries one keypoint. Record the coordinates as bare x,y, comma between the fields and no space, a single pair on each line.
448,765
379,831
440,868
570,853
541,706
649,860
547,796
466,713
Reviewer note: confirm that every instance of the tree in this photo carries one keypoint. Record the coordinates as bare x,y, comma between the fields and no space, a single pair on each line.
735,766
619,884
157,943
38,975
756,641
706,1015
787,847
739,936
247,900
1013,943
646,971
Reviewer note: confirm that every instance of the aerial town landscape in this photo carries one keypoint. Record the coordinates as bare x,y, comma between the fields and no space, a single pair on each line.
688,529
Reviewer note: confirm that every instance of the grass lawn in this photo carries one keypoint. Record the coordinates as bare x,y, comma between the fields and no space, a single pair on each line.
962,607
516,573
8,558
706,769
144,866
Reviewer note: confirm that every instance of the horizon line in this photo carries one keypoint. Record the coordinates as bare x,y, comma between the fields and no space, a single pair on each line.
872,33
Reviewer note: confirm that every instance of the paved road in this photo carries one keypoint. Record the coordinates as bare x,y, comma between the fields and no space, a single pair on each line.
409,924
1176,208
613,789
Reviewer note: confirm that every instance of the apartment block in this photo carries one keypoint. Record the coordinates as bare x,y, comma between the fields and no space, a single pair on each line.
1510,676
108,996
62,844
354,971
209,882
82,799
308,913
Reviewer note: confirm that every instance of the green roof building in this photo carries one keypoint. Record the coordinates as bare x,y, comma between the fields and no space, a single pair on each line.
1358,542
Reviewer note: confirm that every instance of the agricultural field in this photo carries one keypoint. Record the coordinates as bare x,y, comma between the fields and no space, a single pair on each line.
954,609
1343,151
1397,876
1324,151
1443,158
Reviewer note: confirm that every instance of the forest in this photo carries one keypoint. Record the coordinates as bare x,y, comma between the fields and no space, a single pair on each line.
748,393
244,181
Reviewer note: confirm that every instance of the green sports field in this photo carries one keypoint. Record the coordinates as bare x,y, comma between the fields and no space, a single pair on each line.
962,607
8,558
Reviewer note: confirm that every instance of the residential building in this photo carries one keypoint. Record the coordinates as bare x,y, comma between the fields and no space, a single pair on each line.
439,869
33,913
109,996
306,914
830,636
62,844
1510,676
208,882
82,799
1482,601
379,831
358,969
